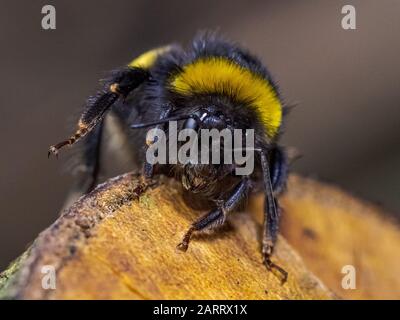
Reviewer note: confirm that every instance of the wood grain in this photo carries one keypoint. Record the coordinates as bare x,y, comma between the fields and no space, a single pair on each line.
119,242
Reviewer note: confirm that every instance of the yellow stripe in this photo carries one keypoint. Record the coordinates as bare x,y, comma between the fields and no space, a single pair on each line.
222,76
147,59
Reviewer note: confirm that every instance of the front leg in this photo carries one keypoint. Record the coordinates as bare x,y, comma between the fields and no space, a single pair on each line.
160,123
148,168
120,85
216,217
271,222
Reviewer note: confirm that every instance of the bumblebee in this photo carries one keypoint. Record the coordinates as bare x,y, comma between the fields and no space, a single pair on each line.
212,84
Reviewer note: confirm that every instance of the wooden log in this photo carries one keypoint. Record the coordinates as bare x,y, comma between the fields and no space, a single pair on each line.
119,242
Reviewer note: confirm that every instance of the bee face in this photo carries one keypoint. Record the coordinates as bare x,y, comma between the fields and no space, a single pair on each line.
216,120
207,119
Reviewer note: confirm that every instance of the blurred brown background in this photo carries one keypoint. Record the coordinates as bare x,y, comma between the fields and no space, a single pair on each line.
346,84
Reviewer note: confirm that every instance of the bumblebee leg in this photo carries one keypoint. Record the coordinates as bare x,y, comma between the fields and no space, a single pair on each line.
278,168
88,162
120,85
148,168
91,159
88,165
271,222
217,217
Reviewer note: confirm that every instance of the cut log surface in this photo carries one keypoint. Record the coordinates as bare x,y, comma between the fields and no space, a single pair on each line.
119,242
331,229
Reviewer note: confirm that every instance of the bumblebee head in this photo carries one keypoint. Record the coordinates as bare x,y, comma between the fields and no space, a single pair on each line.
206,119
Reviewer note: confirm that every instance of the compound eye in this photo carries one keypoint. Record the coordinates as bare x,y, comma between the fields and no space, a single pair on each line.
191,124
